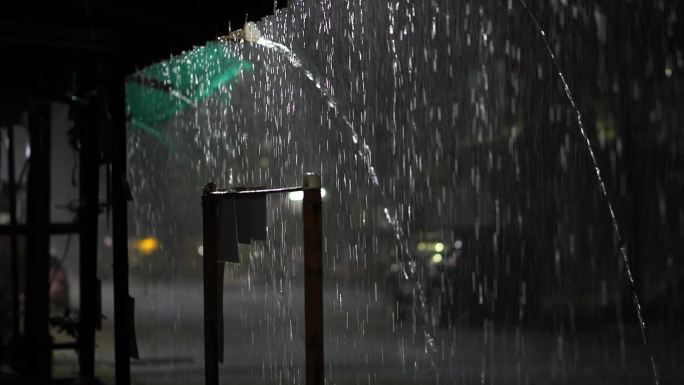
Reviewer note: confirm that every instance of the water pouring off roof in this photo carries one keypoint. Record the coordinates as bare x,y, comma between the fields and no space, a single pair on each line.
250,33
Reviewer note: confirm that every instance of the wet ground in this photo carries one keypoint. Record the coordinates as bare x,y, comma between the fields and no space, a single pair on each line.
382,352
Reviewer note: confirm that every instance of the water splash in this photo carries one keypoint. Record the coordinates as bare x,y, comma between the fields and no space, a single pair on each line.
365,153
364,149
602,187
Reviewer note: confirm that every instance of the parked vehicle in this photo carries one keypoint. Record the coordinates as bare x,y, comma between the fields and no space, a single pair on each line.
476,275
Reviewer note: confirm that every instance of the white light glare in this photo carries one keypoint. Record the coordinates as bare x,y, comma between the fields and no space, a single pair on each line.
297,196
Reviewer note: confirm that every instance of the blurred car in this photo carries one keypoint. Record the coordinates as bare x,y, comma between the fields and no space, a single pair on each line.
476,276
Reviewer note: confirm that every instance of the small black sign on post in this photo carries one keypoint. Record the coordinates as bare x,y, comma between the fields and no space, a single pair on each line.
232,216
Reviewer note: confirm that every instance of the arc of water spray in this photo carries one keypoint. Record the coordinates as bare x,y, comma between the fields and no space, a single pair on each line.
602,186
365,154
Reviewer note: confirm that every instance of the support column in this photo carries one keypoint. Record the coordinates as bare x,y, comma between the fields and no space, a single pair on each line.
313,279
38,354
120,195
14,257
89,181
209,265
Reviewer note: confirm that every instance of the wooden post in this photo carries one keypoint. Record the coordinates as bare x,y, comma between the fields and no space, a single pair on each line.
209,264
313,279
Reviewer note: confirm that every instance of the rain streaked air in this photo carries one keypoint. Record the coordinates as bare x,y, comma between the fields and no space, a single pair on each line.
500,188
475,158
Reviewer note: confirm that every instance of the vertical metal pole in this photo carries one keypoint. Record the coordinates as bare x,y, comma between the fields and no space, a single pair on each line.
120,195
313,279
38,342
14,258
209,265
89,181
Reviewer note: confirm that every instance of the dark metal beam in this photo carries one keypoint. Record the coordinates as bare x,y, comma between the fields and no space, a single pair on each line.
65,346
37,358
14,257
258,190
81,38
53,228
120,195
88,215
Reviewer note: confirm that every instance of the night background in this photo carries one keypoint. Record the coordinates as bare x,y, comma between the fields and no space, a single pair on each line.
501,190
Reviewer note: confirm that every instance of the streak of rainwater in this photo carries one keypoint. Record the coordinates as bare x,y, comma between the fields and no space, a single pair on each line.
602,187
365,153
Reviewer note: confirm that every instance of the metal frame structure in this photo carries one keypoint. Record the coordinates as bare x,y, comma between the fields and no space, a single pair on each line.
32,348
313,276
68,51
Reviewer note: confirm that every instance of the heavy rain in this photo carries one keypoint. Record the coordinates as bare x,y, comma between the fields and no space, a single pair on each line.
472,160
501,187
